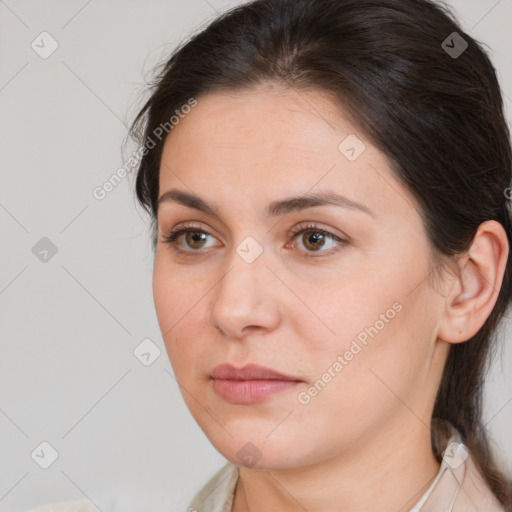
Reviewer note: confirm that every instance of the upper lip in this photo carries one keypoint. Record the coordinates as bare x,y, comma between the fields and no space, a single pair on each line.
249,372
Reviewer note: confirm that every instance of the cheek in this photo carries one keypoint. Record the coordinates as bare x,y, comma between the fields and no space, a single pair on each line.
177,308
165,299
356,384
380,341
174,293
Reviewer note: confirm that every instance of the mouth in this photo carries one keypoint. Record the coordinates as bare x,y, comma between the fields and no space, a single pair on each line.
246,392
250,384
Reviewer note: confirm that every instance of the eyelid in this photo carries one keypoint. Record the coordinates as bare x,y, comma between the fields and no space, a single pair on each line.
306,226
179,230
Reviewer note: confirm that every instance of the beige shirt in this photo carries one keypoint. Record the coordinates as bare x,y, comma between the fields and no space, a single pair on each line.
458,487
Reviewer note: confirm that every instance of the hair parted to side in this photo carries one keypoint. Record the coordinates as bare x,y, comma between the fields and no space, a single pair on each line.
439,120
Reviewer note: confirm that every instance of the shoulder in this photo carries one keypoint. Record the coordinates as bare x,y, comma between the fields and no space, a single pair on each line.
476,494
218,493
462,485
66,506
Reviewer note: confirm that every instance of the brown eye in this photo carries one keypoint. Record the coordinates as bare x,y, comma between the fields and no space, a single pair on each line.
314,240
195,239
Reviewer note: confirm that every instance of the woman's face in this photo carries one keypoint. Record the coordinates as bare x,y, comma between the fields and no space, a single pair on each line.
344,307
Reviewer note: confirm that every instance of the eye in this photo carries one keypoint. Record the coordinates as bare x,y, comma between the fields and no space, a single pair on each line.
195,238
315,239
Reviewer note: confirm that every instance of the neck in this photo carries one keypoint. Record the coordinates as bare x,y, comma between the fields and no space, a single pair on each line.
387,471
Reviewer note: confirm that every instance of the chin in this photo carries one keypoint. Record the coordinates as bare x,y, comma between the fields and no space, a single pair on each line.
254,448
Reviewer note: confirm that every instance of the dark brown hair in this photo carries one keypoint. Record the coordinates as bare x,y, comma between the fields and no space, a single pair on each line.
436,115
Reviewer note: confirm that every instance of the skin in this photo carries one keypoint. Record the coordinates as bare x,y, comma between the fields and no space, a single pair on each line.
363,442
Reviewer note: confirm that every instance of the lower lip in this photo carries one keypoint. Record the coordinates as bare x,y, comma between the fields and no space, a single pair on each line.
250,391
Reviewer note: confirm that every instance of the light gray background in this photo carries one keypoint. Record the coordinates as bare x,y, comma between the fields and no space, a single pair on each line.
69,326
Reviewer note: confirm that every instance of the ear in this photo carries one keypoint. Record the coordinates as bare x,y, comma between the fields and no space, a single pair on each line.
475,291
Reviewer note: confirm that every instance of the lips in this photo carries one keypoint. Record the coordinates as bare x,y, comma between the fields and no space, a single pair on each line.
249,372
250,384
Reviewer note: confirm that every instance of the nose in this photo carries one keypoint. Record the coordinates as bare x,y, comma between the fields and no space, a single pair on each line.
246,298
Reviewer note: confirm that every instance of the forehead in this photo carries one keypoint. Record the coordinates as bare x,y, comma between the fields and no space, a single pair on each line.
268,132
274,118
275,141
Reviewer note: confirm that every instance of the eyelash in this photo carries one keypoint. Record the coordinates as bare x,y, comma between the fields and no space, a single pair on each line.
172,238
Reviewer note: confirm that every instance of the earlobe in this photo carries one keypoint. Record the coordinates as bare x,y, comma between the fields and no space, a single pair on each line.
475,291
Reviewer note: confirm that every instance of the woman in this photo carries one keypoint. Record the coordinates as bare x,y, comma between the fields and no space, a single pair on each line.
328,187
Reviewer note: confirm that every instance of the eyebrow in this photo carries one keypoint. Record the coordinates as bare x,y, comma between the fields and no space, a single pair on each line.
275,208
